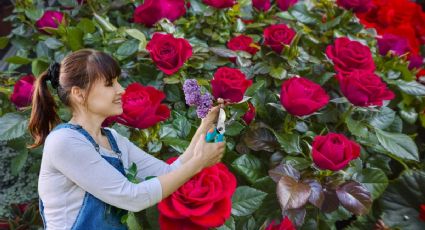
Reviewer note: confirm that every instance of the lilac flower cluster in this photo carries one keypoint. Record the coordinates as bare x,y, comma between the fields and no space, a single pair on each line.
193,96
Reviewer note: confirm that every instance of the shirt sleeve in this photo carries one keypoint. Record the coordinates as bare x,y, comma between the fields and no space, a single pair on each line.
148,165
77,159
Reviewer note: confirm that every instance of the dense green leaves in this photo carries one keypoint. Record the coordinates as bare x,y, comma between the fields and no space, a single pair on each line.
246,200
12,125
398,144
400,202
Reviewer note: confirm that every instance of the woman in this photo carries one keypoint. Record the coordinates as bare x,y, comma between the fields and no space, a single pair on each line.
82,183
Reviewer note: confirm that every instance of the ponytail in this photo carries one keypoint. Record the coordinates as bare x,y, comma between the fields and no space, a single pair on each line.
43,115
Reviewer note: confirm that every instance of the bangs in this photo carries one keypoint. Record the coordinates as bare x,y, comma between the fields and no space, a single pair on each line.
103,66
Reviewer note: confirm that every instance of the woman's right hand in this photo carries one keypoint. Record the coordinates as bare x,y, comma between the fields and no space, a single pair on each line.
208,154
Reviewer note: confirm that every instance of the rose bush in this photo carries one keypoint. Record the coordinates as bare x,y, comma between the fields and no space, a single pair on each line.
325,98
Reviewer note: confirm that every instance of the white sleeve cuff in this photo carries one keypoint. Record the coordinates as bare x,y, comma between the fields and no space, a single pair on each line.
176,164
155,190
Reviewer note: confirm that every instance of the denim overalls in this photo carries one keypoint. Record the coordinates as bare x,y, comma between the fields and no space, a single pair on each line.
94,213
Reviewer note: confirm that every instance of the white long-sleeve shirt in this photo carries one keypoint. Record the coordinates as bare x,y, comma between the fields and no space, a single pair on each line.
71,166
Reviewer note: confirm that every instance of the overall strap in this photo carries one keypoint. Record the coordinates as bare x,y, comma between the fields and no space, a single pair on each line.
112,142
80,129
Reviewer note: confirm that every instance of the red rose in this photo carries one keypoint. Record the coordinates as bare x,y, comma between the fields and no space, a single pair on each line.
422,212
401,17
420,76
263,5
50,19
285,4
22,91
285,224
250,114
348,56
276,36
203,202
229,83
334,151
242,43
169,53
300,96
220,4
151,11
364,89
358,6
142,107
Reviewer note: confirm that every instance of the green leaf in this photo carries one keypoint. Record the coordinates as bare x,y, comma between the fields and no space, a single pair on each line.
289,142
34,14
104,23
278,73
354,197
127,48
374,180
400,201
18,60
383,119
137,34
53,43
183,126
3,42
234,129
38,66
75,38
411,87
409,115
291,193
357,128
398,144
302,14
86,25
228,225
177,144
18,161
249,166
12,126
246,200
132,222
222,52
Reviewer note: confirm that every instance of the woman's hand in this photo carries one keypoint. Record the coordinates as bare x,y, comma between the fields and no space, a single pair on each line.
207,154
210,120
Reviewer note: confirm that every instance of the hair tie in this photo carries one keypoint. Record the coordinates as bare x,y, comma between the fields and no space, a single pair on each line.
53,74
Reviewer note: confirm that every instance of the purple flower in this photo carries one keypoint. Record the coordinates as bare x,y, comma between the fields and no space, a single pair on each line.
192,92
205,103
390,42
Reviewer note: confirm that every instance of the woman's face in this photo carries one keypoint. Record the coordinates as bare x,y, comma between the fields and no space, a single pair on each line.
105,100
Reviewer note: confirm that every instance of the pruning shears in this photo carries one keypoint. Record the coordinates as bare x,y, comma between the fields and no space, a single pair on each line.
217,134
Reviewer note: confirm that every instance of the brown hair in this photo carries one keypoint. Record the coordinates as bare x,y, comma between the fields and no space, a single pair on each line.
81,68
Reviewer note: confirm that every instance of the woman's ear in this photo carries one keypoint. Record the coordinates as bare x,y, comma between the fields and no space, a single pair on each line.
77,94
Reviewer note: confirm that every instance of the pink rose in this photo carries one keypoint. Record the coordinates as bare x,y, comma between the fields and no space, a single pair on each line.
220,4
276,36
151,11
349,56
300,96
169,53
142,107
364,89
229,83
263,5
50,19
358,6
285,4
334,151
22,91
250,114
